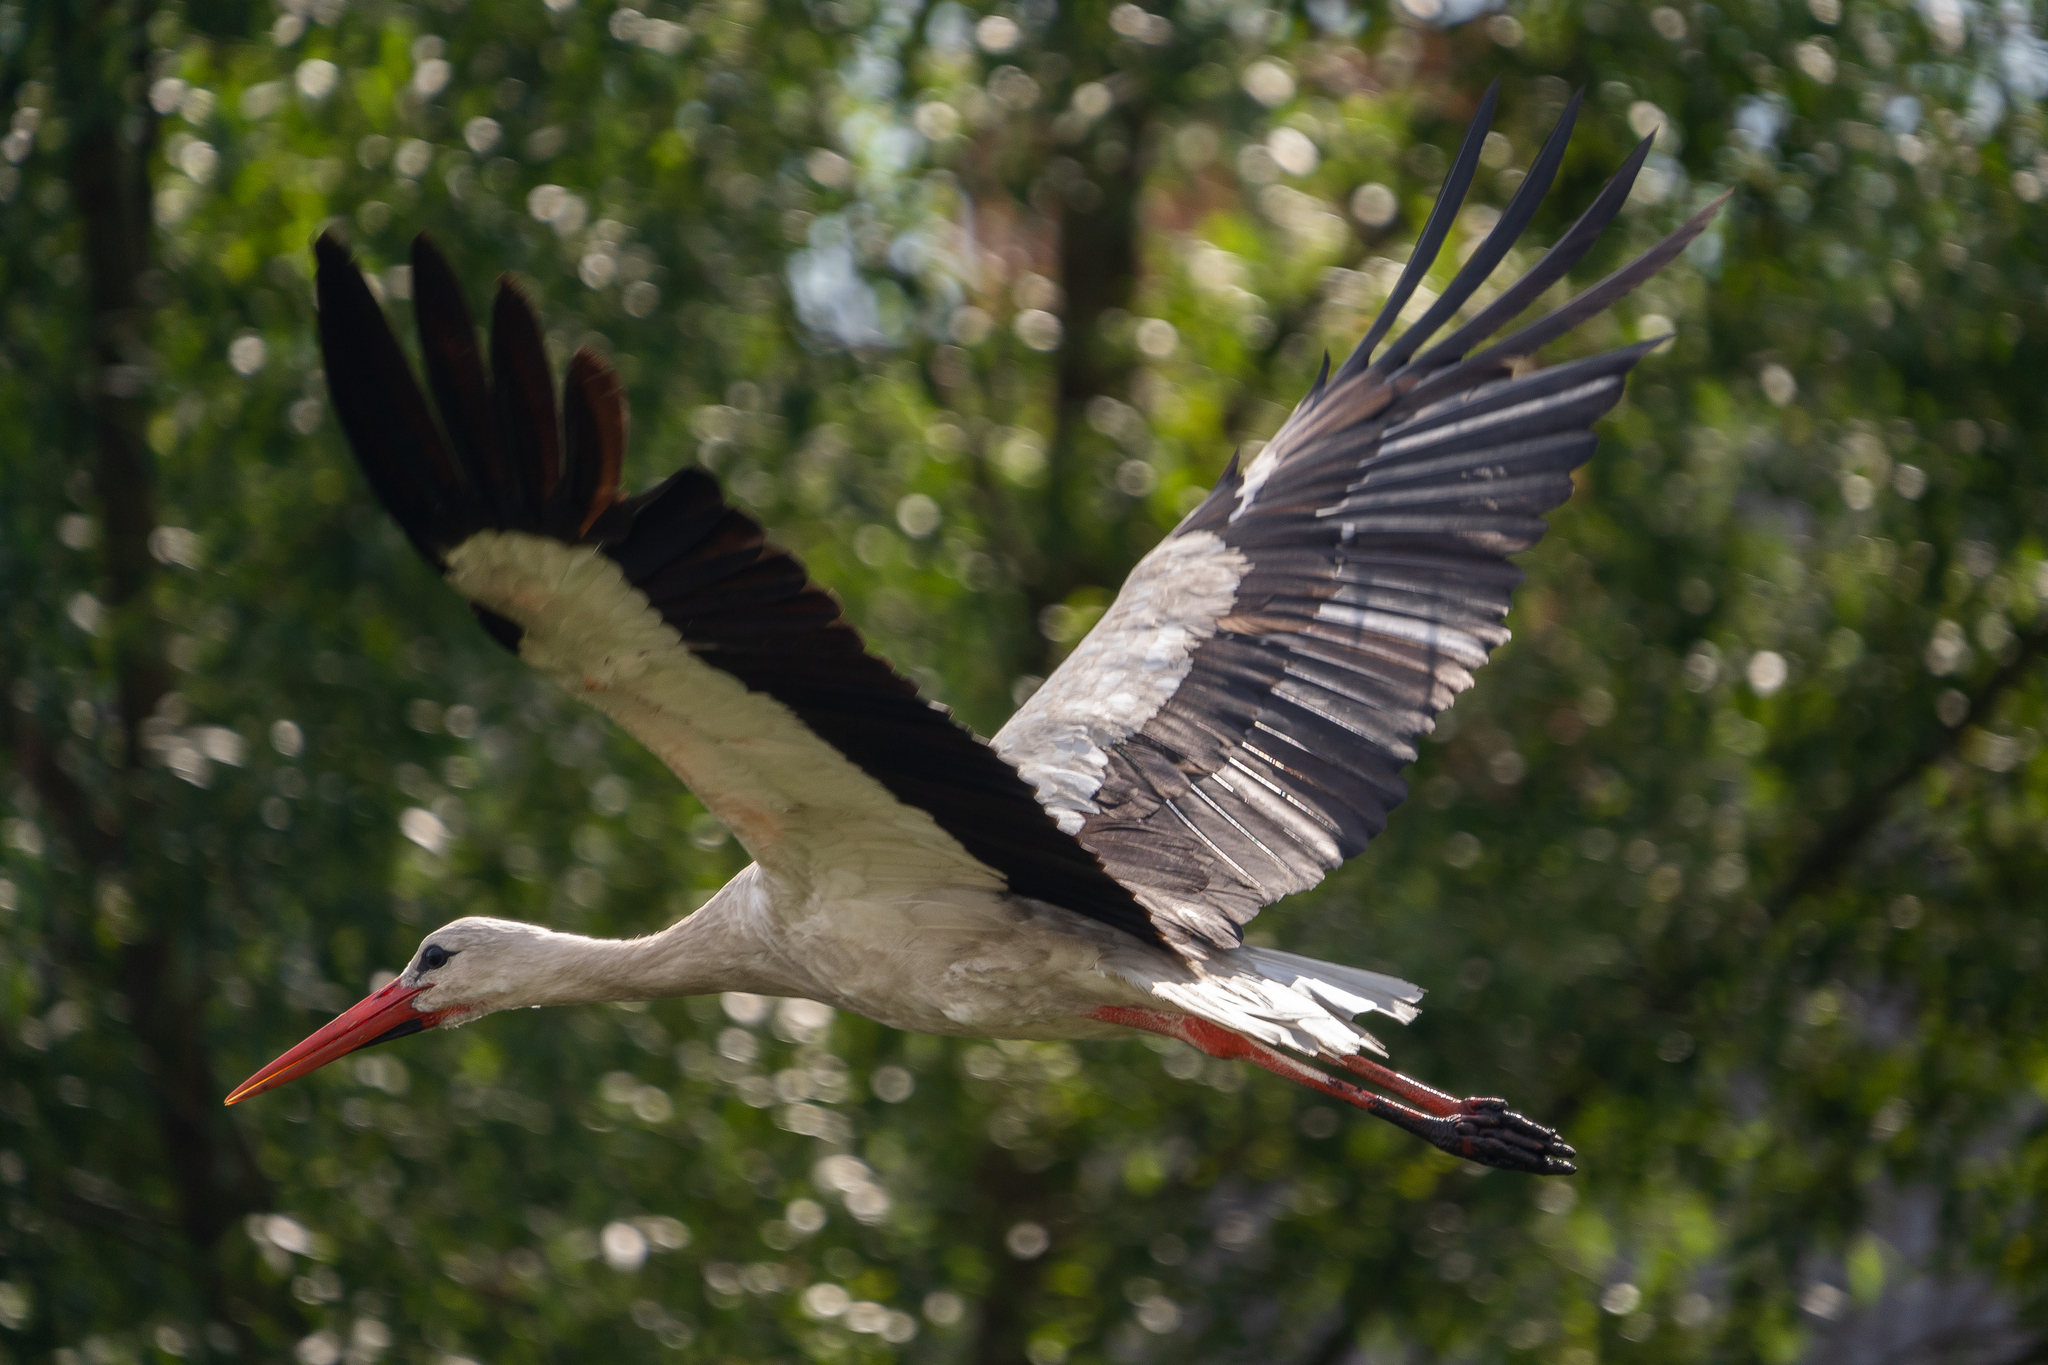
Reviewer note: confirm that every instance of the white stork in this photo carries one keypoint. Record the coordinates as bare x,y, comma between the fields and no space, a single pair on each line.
1229,732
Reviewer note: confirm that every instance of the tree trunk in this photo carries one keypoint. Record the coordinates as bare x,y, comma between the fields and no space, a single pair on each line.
1098,263
102,53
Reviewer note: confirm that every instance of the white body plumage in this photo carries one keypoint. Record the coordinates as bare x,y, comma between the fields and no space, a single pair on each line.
1233,728
858,900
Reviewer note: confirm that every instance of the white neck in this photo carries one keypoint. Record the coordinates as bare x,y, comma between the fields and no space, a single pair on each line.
728,945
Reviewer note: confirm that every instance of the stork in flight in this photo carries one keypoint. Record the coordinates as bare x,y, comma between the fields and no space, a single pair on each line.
1231,730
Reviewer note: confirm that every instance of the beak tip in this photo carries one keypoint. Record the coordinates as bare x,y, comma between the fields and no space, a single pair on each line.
368,1021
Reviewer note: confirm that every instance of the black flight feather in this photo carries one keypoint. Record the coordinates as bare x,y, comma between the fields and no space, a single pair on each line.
739,603
1372,534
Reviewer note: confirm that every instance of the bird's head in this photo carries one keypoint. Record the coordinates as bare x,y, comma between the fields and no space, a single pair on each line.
464,970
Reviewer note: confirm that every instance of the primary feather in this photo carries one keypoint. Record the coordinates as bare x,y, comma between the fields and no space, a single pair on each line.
1236,724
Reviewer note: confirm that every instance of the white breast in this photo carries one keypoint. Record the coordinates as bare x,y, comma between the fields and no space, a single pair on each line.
964,961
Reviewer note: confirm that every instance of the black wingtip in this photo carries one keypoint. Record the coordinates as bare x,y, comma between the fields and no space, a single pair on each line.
329,251
594,430
529,424
425,254
512,290
456,378
1562,256
380,408
332,262
1521,210
1315,390
1448,199
1615,287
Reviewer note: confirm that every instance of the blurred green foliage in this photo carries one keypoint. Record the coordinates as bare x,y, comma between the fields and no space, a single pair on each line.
1730,866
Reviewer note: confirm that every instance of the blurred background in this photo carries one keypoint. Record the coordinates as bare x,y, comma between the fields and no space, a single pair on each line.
1731,867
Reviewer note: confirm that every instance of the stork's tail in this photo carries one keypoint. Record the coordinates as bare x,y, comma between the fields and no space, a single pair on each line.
1247,1004
1286,1000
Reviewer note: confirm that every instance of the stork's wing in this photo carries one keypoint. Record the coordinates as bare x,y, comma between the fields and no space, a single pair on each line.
1235,726
669,611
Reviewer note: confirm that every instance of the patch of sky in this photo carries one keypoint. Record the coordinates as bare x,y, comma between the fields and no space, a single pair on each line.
1759,121
832,298
949,29
1986,108
899,17
1336,18
2023,54
873,73
881,147
1445,13
913,254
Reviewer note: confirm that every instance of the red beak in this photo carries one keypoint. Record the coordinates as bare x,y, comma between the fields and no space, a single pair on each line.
385,1015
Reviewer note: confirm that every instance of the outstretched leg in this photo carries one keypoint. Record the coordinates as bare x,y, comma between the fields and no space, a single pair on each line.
1482,1130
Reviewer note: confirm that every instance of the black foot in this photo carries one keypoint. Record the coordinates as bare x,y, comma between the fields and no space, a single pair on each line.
1492,1134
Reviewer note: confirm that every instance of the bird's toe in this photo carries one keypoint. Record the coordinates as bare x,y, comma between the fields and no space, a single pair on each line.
1489,1132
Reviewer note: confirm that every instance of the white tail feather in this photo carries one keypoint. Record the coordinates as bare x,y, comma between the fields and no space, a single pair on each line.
1349,988
1286,1000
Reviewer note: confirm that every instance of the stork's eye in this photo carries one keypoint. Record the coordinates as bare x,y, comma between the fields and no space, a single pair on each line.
434,956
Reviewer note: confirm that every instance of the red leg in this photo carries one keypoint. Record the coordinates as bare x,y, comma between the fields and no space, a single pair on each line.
1218,1041
1425,1098
1478,1130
